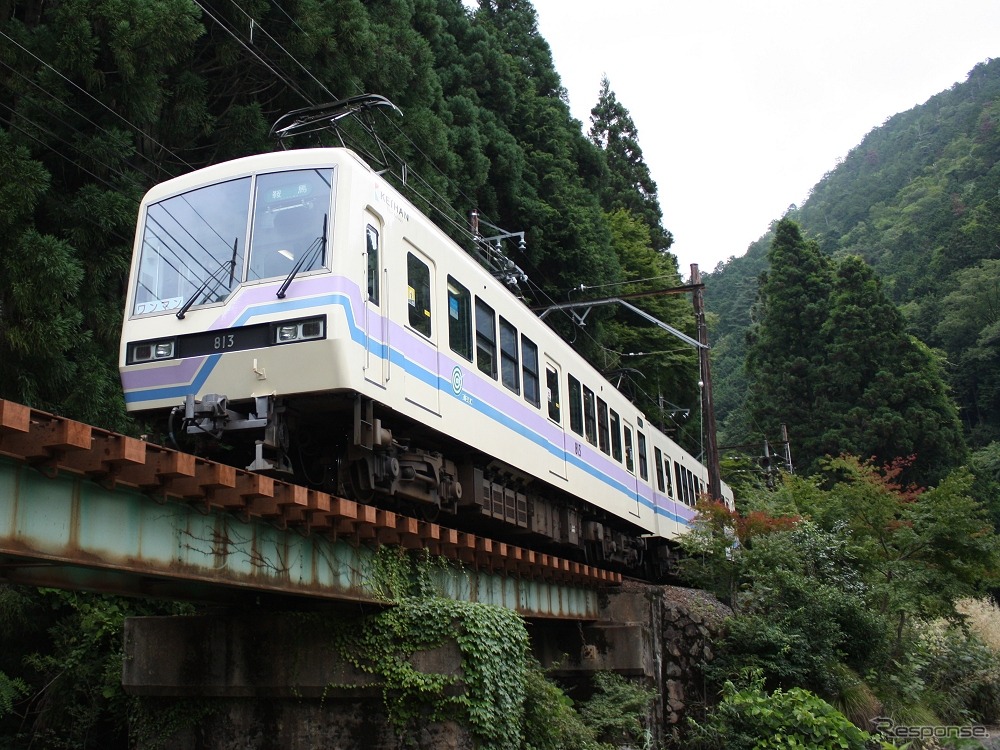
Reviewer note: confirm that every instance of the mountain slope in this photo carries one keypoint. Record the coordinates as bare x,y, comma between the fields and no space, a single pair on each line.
919,200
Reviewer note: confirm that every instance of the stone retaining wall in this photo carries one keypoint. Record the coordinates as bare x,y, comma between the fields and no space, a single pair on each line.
691,622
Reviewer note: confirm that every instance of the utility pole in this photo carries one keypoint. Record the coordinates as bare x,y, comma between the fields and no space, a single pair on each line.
788,448
707,407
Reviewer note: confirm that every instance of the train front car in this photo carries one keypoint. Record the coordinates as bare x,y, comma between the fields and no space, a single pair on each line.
232,290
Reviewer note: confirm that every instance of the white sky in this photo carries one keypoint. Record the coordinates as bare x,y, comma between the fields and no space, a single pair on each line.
742,106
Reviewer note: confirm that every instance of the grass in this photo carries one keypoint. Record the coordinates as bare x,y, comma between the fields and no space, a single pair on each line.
983,619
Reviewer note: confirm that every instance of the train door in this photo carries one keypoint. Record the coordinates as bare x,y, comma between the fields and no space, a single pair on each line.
375,322
421,359
556,455
630,464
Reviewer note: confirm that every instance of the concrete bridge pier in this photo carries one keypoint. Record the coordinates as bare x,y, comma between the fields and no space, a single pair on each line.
247,681
251,681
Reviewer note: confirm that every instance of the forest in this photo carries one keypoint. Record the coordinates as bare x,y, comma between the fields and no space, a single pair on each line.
866,322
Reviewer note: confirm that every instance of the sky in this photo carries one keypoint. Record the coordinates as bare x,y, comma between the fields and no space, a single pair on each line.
743,105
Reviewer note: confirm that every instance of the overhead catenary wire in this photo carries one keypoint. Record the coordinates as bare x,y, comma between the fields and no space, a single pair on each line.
256,24
281,76
95,99
86,217
88,155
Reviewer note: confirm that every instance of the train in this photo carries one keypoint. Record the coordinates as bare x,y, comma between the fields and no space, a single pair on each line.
293,313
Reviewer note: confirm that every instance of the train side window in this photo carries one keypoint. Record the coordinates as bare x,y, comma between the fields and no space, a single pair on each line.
418,279
629,462
529,371
459,319
575,406
371,237
616,436
603,433
552,394
666,471
589,416
658,456
486,338
643,465
509,374
681,493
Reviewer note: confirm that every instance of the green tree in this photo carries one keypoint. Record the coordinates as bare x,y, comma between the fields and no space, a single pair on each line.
658,370
968,329
833,583
918,200
628,183
63,659
830,357
801,613
883,389
783,349
919,550
569,241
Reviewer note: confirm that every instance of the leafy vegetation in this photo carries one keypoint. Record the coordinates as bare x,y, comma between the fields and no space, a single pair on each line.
503,697
493,643
61,667
839,585
749,718
829,356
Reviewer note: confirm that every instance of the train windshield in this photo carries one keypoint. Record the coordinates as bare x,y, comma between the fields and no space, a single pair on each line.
290,211
194,244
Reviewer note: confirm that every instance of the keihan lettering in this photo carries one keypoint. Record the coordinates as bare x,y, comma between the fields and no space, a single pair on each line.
393,206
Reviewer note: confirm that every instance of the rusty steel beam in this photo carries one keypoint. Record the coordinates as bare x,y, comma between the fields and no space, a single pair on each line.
74,496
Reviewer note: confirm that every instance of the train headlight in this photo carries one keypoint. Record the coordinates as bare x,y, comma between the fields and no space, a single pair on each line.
299,330
287,333
150,351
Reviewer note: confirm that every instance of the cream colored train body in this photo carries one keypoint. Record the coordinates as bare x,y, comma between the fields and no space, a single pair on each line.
295,308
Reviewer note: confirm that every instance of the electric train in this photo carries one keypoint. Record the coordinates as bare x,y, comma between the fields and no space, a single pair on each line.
293,313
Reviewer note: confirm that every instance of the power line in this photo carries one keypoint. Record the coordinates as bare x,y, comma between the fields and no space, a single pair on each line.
94,98
76,130
281,47
279,75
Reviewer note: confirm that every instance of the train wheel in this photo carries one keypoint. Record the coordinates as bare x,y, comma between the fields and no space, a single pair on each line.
358,481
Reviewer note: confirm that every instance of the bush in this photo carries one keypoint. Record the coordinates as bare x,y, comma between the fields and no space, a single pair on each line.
614,716
618,711
962,676
550,720
748,718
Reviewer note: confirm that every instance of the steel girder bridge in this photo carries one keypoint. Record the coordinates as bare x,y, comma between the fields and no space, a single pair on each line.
84,508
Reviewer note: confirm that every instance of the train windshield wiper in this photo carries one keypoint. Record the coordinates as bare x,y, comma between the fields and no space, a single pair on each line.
318,246
212,277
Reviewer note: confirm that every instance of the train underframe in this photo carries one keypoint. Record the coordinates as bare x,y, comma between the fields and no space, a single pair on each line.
350,446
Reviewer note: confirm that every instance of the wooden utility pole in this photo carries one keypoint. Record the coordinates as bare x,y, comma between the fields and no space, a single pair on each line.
707,408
